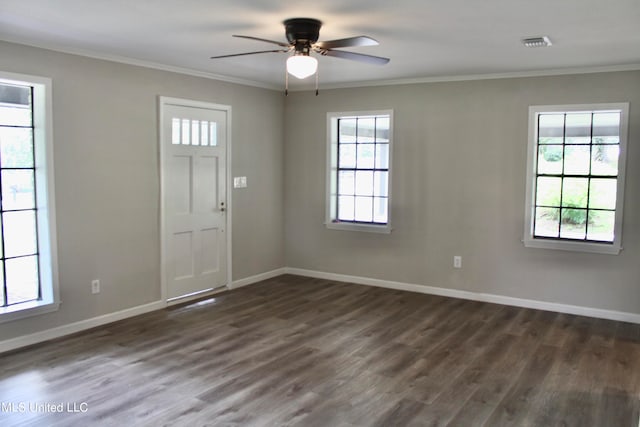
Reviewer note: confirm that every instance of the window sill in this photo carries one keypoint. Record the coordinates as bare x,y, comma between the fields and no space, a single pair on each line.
27,309
596,248
349,226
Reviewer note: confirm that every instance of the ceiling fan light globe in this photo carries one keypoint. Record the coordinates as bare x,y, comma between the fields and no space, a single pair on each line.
302,66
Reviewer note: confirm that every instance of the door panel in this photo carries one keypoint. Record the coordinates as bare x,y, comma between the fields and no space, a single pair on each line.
210,250
183,247
181,184
194,199
206,178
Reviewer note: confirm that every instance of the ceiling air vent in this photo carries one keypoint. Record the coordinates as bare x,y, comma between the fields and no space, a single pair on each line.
537,42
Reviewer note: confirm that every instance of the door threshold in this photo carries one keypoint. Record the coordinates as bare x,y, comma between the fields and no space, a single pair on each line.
196,295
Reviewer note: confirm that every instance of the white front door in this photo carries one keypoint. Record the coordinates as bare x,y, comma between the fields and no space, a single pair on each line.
194,203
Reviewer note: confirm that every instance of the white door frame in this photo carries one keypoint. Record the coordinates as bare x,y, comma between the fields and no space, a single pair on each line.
162,102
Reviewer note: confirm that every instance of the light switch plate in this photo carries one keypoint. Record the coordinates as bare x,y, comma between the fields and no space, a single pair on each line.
240,182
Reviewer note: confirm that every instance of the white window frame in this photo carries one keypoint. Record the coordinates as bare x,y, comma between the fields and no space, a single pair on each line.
45,202
332,171
565,244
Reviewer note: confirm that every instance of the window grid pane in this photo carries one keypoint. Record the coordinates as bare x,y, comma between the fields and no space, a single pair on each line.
195,132
19,272
576,176
363,166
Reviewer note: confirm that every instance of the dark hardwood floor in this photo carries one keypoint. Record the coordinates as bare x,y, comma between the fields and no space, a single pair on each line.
309,352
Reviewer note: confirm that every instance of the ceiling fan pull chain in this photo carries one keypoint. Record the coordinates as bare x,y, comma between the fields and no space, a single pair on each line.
317,72
286,83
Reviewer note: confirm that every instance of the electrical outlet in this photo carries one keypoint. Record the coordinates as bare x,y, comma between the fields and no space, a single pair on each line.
95,286
457,261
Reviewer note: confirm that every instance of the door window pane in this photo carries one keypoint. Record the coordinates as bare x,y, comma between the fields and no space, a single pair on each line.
195,132
204,132
186,134
213,134
175,131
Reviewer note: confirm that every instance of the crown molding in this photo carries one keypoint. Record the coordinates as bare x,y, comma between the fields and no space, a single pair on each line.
145,64
329,86
471,77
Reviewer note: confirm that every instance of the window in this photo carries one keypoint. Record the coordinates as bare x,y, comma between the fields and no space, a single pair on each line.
28,282
193,132
358,171
576,177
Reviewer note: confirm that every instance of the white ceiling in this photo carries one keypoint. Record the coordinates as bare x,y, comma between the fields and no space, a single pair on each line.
425,39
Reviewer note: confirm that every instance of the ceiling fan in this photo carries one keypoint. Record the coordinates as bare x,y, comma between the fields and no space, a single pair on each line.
302,39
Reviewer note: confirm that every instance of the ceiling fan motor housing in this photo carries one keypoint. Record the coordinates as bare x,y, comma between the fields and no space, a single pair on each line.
302,33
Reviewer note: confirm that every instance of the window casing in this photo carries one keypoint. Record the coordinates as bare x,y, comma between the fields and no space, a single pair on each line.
28,264
359,171
575,177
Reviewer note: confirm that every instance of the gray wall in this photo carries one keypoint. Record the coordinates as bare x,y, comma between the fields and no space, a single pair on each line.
458,186
459,165
107,178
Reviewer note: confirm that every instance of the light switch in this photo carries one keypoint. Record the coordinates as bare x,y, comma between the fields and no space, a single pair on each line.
240,182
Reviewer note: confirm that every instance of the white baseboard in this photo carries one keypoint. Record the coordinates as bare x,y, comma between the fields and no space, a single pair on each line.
35,338
475,296
71,328
257,278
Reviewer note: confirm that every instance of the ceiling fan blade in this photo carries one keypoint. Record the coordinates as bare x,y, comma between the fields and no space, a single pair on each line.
249,53
369,59
348,42
283,44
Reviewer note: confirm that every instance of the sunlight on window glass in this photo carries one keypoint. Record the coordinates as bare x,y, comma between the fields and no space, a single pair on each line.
175,131
576,182
362,180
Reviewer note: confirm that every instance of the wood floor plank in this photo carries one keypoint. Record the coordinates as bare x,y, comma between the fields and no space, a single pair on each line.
513,408
300,351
